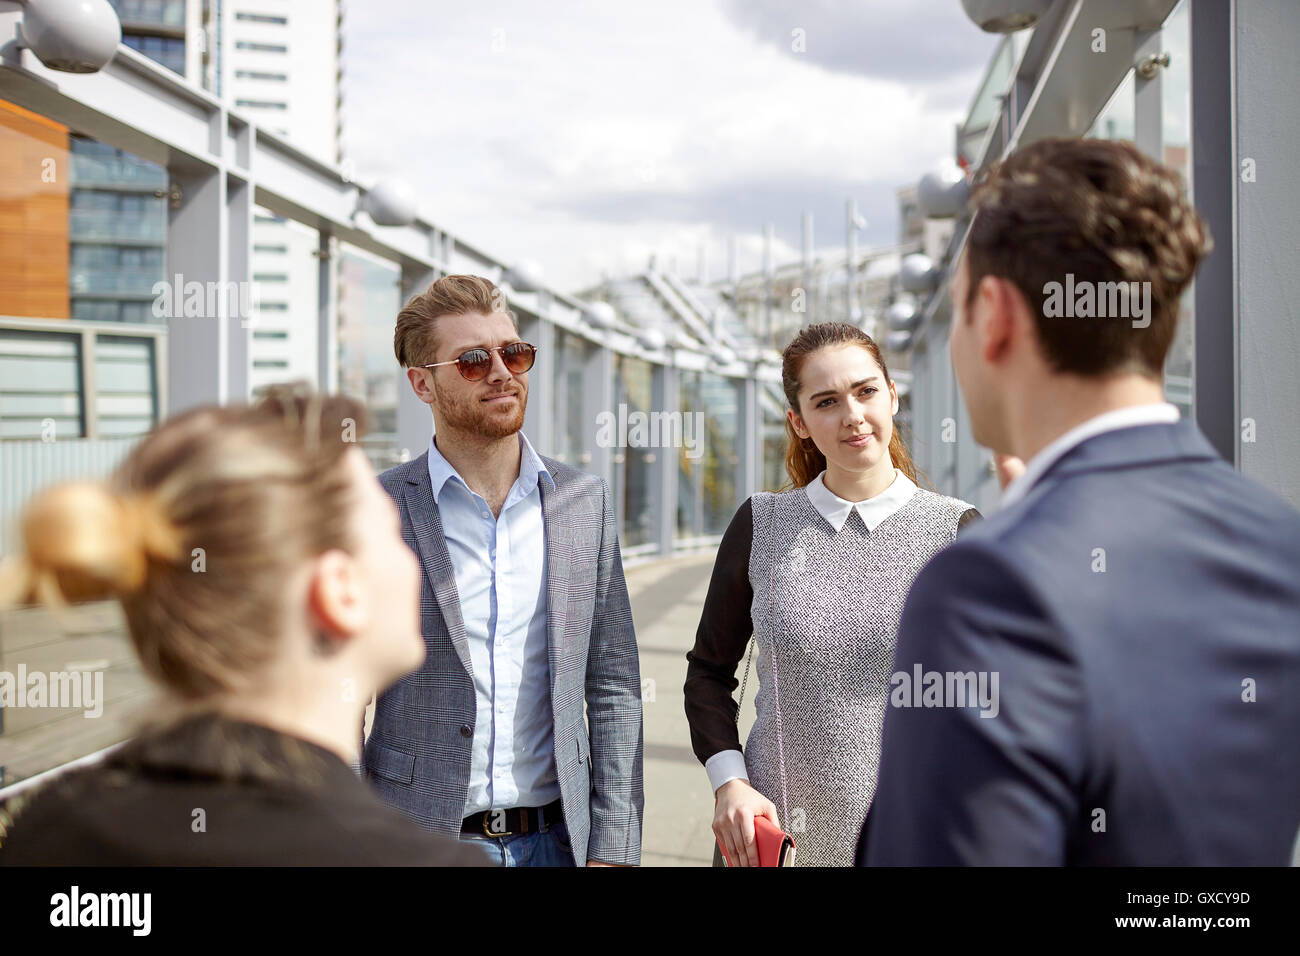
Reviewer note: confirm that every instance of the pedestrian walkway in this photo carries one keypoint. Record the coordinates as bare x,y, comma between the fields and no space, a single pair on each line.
667,597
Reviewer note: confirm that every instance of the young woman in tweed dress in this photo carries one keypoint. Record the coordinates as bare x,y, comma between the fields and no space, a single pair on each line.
818,575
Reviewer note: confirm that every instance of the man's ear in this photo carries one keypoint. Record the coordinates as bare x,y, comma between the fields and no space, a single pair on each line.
797,423
996,304
421,384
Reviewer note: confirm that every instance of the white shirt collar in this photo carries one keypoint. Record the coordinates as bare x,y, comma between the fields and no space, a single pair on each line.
873,511
1156,413
531,468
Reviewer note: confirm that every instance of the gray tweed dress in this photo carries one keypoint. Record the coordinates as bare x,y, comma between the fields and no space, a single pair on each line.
826,611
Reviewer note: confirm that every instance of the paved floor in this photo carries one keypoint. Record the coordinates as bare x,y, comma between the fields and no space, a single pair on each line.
667,597
89,637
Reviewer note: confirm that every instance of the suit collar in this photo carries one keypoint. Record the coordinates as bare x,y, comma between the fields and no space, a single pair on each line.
1136,446
532,468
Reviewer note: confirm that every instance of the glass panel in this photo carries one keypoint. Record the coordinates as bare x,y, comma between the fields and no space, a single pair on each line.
124,379
117,231
158,13
721,460
1115,121
40,380
772,408
370,297
572,354
987,101
289,305
632,382
690,504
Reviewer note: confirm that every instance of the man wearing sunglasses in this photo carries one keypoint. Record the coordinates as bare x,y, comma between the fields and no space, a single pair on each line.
525,614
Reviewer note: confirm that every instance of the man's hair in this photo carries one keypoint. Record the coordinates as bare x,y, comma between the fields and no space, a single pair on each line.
1104,212
414,339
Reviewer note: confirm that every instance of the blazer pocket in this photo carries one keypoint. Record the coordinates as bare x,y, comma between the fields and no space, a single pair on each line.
392,764
584,747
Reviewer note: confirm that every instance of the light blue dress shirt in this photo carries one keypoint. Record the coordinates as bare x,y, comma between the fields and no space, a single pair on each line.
500,567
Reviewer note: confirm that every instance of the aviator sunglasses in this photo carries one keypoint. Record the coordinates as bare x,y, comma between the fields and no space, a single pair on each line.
474,364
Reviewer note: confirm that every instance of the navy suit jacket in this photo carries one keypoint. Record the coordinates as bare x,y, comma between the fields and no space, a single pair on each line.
1141,608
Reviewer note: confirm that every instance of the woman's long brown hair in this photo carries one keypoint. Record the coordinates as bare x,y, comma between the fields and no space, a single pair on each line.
803,459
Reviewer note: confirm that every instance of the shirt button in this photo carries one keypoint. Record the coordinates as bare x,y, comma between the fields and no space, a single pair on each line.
466,730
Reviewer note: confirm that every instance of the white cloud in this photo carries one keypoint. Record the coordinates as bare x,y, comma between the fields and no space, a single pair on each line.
586,135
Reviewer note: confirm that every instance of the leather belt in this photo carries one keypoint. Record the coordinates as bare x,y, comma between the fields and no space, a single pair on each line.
516,820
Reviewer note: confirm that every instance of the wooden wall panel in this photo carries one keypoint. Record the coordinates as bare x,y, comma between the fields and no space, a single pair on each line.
33,215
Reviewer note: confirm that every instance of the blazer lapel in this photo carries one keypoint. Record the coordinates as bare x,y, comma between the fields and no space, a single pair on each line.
1157,443
558,556
426,523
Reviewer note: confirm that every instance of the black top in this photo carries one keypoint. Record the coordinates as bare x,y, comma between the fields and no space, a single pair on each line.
210,791
720,641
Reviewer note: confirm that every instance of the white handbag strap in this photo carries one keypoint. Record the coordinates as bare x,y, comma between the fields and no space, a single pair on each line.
776,683
776,686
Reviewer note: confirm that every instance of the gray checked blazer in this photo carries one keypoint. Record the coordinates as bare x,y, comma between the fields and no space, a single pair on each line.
418,754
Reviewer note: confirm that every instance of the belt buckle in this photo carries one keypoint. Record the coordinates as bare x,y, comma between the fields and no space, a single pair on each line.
487,815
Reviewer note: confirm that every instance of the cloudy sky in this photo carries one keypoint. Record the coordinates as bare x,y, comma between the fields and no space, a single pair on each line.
590,134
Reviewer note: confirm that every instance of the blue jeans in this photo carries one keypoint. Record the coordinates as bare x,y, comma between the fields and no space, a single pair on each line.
547,847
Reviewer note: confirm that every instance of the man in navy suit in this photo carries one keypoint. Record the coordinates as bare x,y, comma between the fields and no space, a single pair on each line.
1133,609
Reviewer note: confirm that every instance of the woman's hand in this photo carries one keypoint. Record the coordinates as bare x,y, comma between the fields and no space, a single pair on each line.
735,806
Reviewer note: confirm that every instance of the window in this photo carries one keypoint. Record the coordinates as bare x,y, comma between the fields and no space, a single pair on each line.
261,47
41,390
270,363
262,18
126,390
270,277
260,75
263,104
167,13
269,247
169,51
270,335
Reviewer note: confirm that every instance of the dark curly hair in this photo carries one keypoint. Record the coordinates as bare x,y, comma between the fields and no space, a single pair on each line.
1104,212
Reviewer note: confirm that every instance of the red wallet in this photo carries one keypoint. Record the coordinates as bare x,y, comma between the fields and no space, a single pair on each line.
775,846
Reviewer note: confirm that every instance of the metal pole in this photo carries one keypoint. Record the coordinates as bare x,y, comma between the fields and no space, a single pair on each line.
806,280
852,246
768,235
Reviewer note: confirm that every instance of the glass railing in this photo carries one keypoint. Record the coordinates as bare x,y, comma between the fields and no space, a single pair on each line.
988,101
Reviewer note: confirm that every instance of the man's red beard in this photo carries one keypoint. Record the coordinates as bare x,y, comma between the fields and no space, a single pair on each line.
475,417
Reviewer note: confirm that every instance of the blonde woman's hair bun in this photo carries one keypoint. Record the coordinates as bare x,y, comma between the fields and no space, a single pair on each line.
83,542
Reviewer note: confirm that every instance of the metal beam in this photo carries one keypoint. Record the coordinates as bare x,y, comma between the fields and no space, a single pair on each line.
1213,118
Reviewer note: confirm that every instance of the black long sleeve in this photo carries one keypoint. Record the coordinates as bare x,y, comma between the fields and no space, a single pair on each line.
720,641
